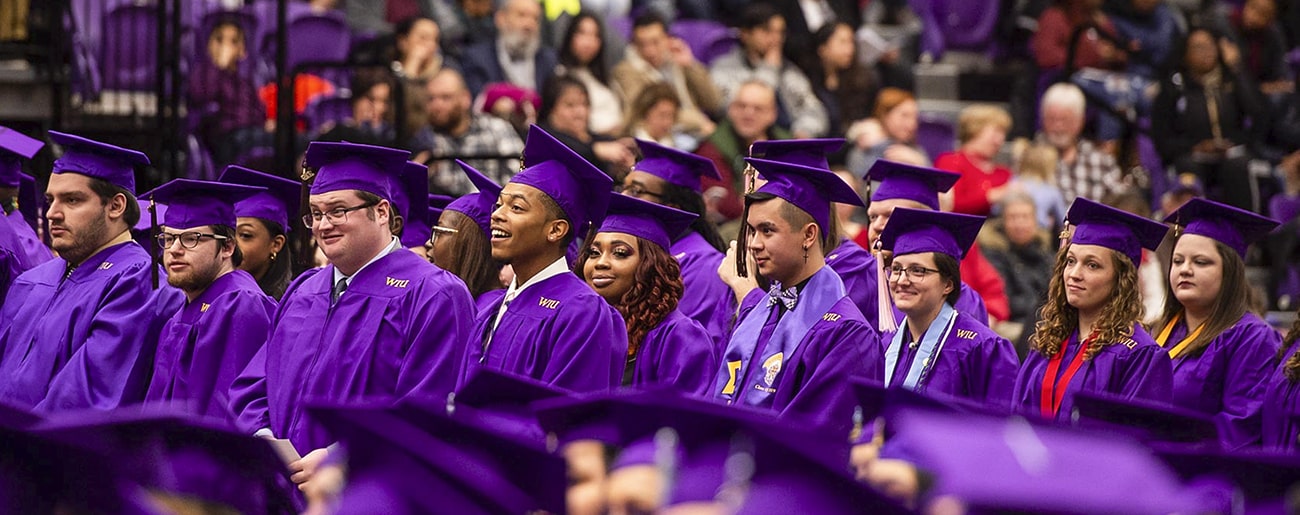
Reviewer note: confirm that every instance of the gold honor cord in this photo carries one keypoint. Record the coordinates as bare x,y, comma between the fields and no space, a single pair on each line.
1182,346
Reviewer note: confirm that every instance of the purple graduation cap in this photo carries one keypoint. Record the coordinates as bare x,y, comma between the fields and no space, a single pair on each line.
436,204
916,183
653,222
16,147
41,475
1234,227
809,189
1098,224
99,160
192,203
1146,420
478,205
580,189
805,152
353,166
499,399
1263,478
913,231
412,186
675,166
440,464
278,204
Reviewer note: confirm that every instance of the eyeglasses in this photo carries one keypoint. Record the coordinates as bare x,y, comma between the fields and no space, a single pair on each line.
915,273
336,216
438,229
188,240
637,190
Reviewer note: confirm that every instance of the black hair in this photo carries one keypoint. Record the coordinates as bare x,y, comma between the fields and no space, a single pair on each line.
277,276
403,28
107,190
552,90
687,199
649,18
756,15
229,233
597,66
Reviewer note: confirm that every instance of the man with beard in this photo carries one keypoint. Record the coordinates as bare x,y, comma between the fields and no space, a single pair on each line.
378,323
1085,170
455,130
78,330
516,55
226,317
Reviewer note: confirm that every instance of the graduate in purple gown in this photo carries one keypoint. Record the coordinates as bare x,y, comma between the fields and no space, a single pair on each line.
938,349
672,177
78,331
378,323
549,325
18,237
1281,408
1089,338
461,241
915,187
412,203
226,317
265,221
796,344
1223,354
627,263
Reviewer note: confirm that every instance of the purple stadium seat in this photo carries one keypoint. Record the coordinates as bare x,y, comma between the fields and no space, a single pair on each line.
968,25
936,135
313,38
708,39
128,60
199,163
620,25
327,109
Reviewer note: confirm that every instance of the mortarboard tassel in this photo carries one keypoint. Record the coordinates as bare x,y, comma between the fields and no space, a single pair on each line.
884,305
155,261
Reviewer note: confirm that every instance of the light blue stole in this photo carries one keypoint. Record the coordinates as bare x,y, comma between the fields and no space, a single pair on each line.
931,343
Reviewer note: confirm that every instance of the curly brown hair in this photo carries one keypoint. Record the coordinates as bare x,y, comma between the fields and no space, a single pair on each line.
1058,319
1291,368
656,290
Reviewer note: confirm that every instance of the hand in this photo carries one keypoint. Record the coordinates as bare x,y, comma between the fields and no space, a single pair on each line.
614,152
680,52
323,490
1231,54
896,479
773,57
304,469
503,108
740,286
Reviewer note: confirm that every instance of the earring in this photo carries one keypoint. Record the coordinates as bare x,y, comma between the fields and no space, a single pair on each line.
805,255
273,257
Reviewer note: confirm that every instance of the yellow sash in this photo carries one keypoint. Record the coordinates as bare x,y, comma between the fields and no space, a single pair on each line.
1182,346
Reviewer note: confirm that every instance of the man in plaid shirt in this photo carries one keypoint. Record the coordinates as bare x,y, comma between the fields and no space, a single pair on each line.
455,131
1085,170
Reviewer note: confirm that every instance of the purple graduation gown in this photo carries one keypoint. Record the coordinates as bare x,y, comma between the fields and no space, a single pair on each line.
86,341
1281,410
811,382
399,329
973,363
207,344
706,298
557,331
1135,368
34,251
488,299
1229,379
857,268
678,353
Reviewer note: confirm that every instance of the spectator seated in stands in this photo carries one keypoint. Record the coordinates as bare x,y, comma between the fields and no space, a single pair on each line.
371,121
1284,274
454,130
654,116
1023,253
232,115
890,133
1210,116
655,57
1085,170
565,114
582,56
1036,177
1263,47
1155,28
759,56
804,19
751,116
516,55
416,57
845,87
981,133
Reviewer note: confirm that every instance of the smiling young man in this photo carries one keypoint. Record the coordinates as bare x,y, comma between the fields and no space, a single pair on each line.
77,331
796,345
378,323
550,325
226,317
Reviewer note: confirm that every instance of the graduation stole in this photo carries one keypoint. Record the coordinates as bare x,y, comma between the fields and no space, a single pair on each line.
823,290
1182,345
931,343
1054,391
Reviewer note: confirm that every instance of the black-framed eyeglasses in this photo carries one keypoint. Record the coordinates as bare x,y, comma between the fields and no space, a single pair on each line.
438,229
637,190
915,273
336,216
188,240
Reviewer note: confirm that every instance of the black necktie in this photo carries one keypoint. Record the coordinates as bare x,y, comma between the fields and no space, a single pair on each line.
339,288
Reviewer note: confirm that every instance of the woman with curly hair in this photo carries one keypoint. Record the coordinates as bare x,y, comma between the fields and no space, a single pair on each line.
628,264
460,243
1088,337
1281,410
1223,354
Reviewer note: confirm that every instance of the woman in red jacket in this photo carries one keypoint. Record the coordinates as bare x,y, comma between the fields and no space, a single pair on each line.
981,132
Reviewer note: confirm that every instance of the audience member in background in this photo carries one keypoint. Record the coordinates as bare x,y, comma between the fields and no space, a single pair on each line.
1263,47
566,114
1051,44
653,116
849,216
751,116
416,58
454,130
1085,169
1155,28
516,55
805,19
471,23
1021,250
232,116
759,57
1036,177
1210,115
845,87
890,133
582,56
658,57
981,132
372,116
1284,283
